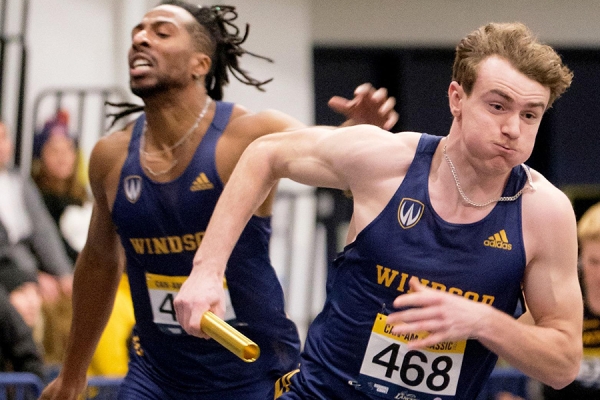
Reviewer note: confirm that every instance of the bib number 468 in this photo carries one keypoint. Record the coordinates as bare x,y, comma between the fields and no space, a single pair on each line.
412,371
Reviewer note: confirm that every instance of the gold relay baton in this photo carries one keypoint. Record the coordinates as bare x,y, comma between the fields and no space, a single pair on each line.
229,337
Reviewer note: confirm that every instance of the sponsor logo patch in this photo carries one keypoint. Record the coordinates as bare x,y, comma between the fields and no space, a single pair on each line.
498,240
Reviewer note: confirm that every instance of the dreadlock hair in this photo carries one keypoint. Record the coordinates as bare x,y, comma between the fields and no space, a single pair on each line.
220,38
127,109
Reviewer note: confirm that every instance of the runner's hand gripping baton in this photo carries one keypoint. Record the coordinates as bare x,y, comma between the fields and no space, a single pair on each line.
229,337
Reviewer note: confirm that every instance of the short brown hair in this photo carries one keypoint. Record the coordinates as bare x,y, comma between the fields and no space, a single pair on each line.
515,43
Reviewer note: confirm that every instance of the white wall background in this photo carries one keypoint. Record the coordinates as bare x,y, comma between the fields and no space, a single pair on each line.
444,22
83,43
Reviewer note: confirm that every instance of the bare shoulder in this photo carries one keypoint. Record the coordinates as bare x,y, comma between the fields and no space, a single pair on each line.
374,163
548,217
370,159
106,160
243,128
249,125
547,202
375,145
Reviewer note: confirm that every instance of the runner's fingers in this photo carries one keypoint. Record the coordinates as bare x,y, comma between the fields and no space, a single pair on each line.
380,95
411,322
363,89
421,299
430,340
196,325
388,106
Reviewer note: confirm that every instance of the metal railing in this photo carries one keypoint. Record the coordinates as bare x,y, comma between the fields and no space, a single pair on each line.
20,40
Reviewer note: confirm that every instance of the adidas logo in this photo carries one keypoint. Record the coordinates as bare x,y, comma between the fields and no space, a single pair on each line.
499,241
201,183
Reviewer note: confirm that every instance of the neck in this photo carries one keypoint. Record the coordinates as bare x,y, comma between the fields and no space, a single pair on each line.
168,119
167,149
174,109
472,187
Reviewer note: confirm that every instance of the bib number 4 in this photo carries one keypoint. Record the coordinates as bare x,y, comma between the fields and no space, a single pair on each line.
162,291
166,307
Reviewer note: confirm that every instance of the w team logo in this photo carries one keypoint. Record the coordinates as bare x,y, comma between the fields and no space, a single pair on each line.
410,212
132,185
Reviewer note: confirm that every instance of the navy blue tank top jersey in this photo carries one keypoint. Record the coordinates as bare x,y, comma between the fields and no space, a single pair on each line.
350,342
160,226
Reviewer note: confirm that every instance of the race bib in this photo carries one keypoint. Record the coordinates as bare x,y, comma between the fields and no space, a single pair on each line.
162,290
391,370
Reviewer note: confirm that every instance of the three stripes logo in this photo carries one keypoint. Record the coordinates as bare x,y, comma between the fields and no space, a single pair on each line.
201,183
499,241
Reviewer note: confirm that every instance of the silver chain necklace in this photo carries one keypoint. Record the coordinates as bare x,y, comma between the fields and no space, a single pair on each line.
487,203
183,139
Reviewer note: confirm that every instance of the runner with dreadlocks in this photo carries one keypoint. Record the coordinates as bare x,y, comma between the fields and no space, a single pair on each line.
155,185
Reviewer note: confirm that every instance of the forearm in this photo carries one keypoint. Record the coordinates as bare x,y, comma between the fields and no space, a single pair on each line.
547,354
202,291
247,188
94,288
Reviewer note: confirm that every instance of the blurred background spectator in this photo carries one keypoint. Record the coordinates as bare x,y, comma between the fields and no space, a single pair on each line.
18,350
24,294
57,171
30,242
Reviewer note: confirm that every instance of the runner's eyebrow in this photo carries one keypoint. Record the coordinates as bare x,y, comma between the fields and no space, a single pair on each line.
510,99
